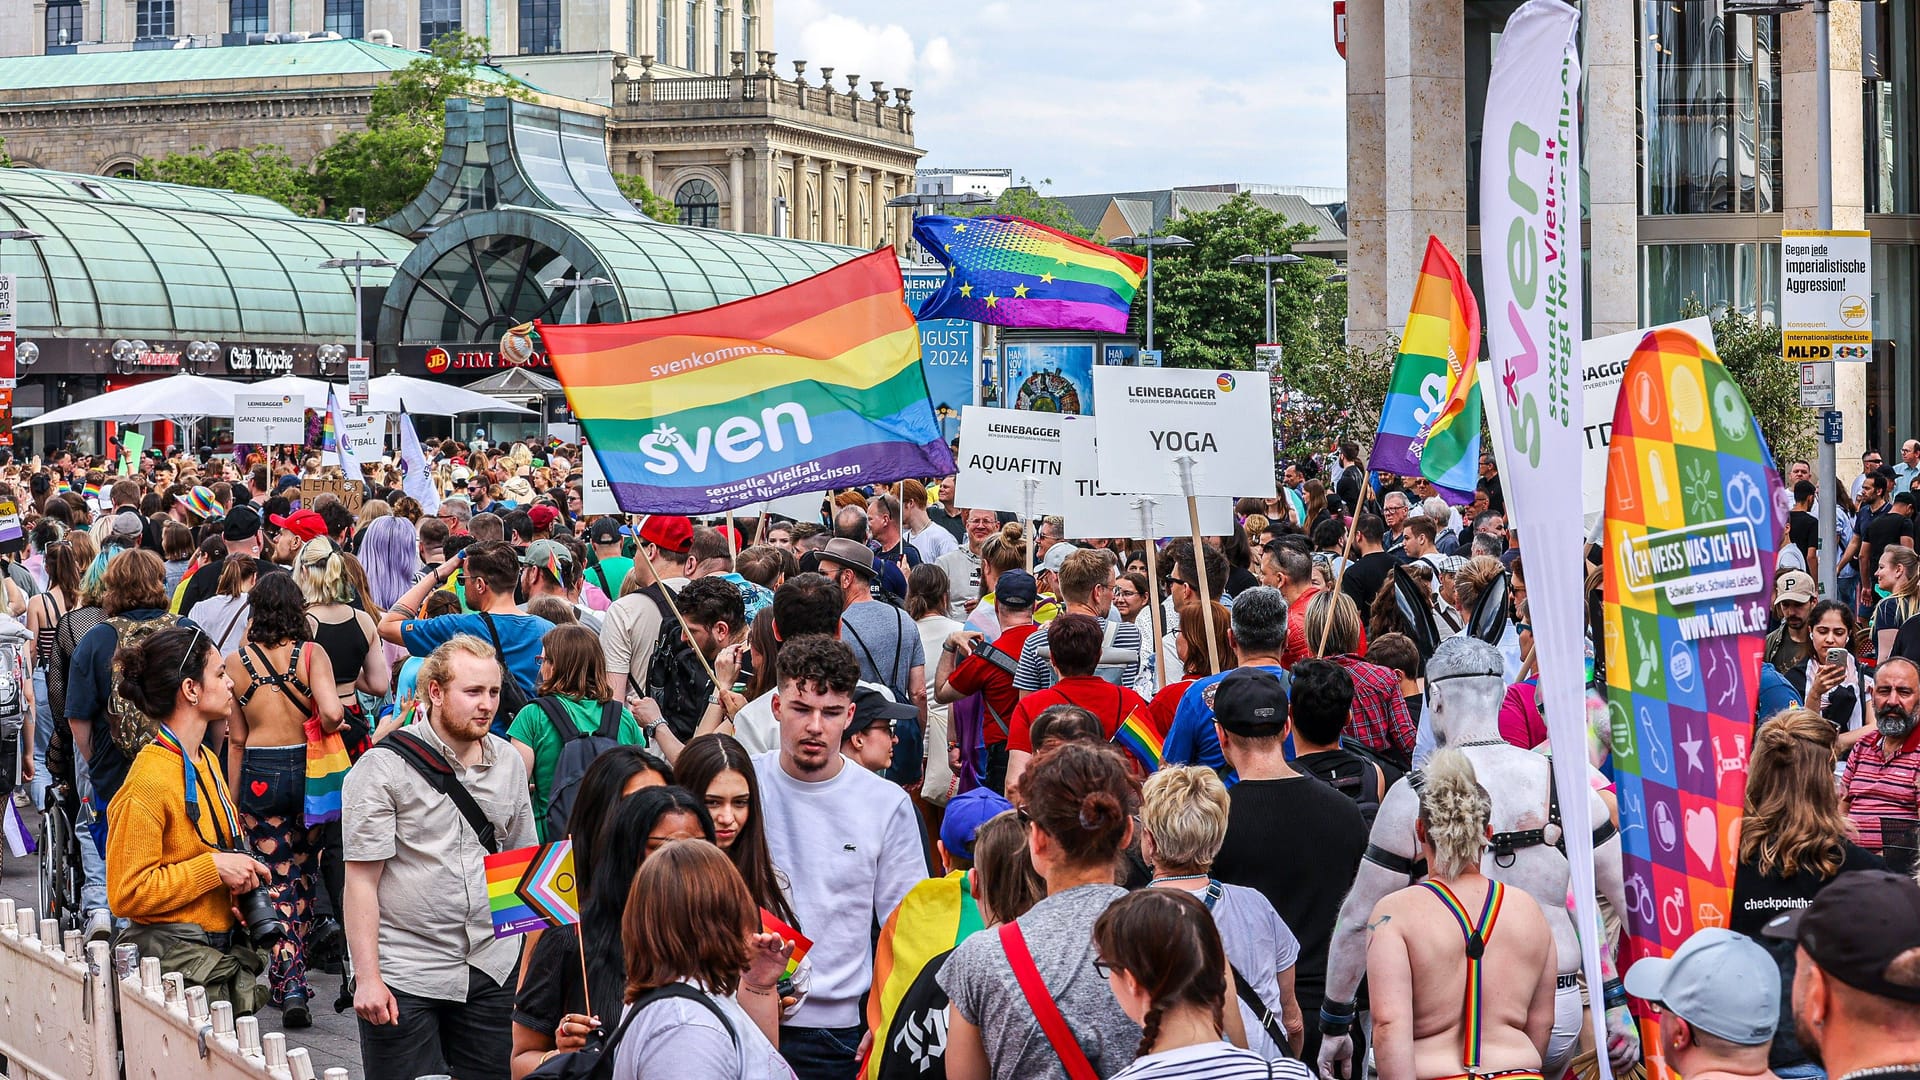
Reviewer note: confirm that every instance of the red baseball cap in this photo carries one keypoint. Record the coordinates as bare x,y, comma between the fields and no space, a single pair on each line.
670,532
305,524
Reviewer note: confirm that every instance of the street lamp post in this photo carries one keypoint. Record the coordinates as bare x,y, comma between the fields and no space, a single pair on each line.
29,236
358,265
1150,243
579,285
1267,262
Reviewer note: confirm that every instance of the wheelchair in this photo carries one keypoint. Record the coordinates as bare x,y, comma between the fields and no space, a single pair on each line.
61,874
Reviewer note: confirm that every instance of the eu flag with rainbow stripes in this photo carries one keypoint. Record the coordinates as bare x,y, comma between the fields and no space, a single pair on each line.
1430,424
813,386
1013,272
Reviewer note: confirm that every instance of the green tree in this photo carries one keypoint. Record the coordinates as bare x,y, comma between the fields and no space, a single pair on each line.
1332,391
635,188
1210,313
1025,200
1751,350
385,166
266,171
6,161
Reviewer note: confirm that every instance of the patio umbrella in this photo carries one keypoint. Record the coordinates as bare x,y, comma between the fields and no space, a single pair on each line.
388,392
181,398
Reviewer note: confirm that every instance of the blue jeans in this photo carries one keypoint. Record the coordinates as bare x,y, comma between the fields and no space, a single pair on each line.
1806,1071
42,732
91,828
822,1053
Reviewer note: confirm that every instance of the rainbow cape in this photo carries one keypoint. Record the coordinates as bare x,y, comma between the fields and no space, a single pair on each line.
532,888
935,916
1138,737
1430,424
813,386
1013,272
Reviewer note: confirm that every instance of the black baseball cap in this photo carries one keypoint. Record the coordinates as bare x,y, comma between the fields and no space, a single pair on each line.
1856,927
606,530
243,523
871,707
1251,702
1015,590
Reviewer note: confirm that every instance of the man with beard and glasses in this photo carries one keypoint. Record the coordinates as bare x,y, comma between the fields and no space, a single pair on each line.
1884,768
848,842
1856,988
1790,645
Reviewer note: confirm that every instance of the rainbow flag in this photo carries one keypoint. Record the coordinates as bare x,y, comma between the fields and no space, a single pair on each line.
327,767
936,915
1692,535
802,944
1137,736
817,385
1013,272
532,888
91,491
553,567
1430,424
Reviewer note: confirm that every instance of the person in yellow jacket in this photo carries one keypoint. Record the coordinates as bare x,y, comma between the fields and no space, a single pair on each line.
176,861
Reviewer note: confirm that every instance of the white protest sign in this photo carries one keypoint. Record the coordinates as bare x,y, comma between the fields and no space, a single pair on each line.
1826,294
1090,510
1150,418
1001,450
270,419
596,495
804,506
1604,360
366,437
357,372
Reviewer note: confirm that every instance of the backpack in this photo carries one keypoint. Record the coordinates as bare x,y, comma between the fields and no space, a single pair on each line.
128,727
594,1061
513,697
577,751
676,679
1364,786
12,713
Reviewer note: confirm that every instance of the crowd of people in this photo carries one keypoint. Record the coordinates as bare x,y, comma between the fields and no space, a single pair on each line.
913,789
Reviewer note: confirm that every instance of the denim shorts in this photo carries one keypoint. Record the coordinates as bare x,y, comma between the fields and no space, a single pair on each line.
273,781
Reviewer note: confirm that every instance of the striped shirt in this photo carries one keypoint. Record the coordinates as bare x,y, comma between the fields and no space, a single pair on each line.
1876,787
1211,1061
1035,671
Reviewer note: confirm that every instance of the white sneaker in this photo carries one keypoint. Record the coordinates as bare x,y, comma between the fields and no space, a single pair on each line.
100,926
21,799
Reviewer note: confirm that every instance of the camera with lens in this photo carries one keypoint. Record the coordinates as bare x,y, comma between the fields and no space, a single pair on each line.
263,924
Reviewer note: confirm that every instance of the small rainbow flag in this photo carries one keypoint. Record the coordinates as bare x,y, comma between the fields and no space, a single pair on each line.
532,888
1430,425
327,767
814,385
91,491
771,924
1137,736
553,567
1013,272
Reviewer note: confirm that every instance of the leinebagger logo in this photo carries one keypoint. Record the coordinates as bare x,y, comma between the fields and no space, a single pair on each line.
438,360
1225,382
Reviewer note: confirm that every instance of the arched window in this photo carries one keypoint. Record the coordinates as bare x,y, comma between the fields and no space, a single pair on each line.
698,204
693,35
719,38
866,223
746,32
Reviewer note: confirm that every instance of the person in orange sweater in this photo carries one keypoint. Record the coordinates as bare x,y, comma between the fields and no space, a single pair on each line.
175,854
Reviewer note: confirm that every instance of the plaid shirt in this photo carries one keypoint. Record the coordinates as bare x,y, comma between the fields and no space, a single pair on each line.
1877,787
1379,718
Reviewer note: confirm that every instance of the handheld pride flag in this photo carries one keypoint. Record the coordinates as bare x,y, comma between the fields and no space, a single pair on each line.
1430,425
1013,272
532,888
1138,738
817,385
771,924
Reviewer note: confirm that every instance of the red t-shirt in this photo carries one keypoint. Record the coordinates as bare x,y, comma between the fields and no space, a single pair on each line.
977,675
1112,704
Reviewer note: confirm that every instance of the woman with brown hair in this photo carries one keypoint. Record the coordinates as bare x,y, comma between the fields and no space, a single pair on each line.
1190,645
224,614
573,694
1794,840
718,771
702,997
1077,800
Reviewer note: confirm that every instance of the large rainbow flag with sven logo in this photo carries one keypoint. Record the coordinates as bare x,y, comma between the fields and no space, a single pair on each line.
1694,521
813,386
1430,424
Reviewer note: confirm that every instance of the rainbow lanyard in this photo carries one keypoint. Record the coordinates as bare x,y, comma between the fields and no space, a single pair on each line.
1476,932
168,741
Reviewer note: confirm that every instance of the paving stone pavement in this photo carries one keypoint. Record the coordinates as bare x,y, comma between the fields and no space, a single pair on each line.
334,1039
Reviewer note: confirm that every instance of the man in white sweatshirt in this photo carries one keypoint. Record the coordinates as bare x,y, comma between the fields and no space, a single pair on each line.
848,841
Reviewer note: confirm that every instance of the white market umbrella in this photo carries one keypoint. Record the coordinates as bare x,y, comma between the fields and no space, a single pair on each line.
387,393
314,391
179,397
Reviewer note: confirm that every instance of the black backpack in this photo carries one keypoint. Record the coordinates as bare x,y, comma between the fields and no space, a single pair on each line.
676,679
1366,785
577,752
513,697
595,1060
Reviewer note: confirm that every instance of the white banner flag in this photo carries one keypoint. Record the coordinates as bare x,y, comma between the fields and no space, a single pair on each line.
1530,263
415,480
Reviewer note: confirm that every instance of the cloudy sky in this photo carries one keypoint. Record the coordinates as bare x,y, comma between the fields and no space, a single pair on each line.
1098,95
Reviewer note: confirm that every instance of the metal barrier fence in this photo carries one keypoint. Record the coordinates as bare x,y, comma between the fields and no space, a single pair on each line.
70,1010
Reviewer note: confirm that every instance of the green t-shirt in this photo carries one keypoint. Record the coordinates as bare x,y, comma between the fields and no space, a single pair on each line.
616,570
532,727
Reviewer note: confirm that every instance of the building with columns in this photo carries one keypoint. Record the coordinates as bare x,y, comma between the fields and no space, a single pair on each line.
695,104
1699,135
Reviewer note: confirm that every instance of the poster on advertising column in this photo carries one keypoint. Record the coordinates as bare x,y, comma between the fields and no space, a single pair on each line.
1055,377
949,349
1694,518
